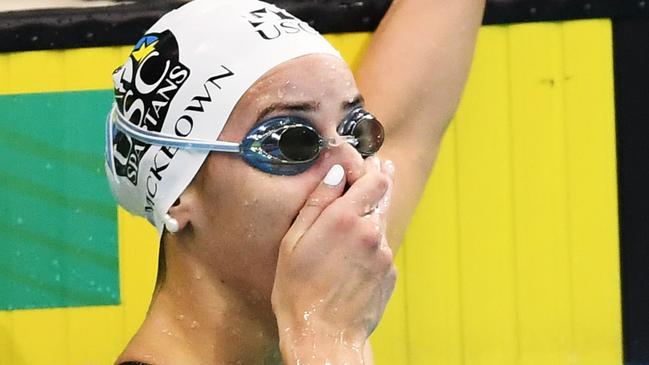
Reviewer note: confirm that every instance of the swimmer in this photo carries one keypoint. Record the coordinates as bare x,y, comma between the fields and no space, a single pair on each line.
280,184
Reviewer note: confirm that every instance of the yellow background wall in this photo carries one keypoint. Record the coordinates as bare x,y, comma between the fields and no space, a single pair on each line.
512,257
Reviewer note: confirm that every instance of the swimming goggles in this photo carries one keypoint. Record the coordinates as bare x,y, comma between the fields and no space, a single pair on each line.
284,145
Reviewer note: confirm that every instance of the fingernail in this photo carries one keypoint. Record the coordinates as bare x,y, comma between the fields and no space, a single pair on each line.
389,165
335,175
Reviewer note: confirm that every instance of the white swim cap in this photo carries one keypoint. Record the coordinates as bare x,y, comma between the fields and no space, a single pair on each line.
183,79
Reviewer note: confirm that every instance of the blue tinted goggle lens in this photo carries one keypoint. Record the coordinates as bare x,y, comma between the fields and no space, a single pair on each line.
289,145
299,144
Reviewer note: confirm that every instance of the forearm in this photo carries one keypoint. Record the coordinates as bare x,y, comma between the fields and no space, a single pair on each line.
418,62
412,77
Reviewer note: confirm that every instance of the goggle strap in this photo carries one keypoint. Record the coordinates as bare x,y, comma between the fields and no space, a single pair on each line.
170,141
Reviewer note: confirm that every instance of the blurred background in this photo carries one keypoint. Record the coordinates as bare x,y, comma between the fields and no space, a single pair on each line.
530,245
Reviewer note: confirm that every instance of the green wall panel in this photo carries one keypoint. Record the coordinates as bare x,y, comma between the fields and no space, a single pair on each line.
58,219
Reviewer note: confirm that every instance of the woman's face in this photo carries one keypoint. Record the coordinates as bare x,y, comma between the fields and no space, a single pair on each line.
241,213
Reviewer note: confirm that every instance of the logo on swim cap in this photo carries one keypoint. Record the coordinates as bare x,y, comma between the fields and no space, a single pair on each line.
144,88
271,23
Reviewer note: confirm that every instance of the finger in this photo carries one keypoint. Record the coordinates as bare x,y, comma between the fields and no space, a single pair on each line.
384,206
372,164
366,193
329,190
355,172
388,167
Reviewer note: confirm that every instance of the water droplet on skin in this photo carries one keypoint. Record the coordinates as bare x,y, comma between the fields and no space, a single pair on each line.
180,317
194,325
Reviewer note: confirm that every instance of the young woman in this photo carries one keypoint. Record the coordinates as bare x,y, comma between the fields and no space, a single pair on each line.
245,139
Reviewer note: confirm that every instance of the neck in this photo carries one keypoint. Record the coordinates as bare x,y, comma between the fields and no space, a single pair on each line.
196,317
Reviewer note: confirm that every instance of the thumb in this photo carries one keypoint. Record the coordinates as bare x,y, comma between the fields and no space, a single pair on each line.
329,190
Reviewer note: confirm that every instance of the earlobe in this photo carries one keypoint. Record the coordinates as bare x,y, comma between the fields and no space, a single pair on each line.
171,224
177,217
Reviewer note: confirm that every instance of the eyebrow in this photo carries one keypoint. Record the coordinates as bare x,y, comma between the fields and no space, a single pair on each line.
357,101
307,106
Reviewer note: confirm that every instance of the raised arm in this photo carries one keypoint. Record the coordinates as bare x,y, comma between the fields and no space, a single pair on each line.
412,78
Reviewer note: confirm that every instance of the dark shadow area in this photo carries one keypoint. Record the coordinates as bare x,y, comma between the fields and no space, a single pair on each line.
125,23
631,43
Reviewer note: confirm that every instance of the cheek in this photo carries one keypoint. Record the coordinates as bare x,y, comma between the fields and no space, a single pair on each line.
262,207
275,201
255,205
251,211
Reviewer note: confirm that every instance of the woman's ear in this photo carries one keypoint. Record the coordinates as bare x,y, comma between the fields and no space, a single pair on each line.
179,216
